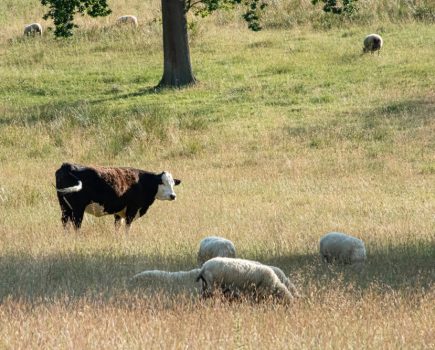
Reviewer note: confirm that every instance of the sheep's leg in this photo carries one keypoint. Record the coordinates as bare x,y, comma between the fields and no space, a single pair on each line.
205,290
229,293
327,259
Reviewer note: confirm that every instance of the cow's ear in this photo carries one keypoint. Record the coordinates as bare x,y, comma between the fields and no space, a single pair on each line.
160,177
177,182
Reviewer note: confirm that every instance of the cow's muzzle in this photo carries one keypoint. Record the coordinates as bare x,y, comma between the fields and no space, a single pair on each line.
172,197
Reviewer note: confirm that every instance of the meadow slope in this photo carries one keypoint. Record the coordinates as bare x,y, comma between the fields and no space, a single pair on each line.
290,133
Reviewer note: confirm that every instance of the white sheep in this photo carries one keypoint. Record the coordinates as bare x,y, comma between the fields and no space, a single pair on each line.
372,43
33,29
342,248
234,276
128,19
168,280
285,280
213,246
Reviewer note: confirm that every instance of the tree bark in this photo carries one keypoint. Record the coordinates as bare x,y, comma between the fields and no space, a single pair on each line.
177,70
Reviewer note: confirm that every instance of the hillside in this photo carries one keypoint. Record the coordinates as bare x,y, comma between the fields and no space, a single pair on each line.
290,133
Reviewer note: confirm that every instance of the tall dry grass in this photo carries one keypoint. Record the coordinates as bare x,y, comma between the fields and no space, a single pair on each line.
286,137
340,320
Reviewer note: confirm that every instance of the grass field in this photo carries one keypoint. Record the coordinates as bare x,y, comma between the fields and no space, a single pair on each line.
290,133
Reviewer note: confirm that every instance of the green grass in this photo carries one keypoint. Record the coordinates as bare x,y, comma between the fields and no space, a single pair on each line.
289,134
104,90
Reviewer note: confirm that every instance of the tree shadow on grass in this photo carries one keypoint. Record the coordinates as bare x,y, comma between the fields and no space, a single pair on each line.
402,268
80,112
141,92
77,113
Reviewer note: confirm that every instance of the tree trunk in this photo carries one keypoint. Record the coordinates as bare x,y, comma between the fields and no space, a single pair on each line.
177,69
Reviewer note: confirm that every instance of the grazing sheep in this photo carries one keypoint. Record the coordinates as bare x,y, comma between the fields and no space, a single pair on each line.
169,280
372,43
128,19
343,248
33,29
212,247
285,280
236,276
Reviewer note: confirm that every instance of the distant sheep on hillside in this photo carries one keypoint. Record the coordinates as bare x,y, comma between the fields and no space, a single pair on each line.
372,43
212,247
342,248
33,29
128,19
238,276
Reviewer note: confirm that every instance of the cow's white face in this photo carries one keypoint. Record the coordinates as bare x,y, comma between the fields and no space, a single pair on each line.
166,188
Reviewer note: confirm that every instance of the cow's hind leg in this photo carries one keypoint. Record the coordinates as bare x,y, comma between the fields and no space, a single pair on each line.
66,219
77,218
66,211
118,221
67,215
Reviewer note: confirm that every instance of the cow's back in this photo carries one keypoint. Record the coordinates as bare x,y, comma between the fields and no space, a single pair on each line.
120,180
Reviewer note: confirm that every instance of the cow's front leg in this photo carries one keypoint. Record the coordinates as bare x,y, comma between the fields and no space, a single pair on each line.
144,209
130,215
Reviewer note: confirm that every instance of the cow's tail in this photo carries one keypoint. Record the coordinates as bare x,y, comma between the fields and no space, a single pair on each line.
65,172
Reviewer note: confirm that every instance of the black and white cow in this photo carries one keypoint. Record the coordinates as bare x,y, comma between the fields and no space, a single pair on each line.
126,193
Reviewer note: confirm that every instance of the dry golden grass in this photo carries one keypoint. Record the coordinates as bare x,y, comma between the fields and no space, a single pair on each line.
273,153
329,320
71,291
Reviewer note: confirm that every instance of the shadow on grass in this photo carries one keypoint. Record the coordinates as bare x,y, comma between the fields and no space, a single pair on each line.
76,275
141,92
403,268
78,113
81,112
406,268
405,114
